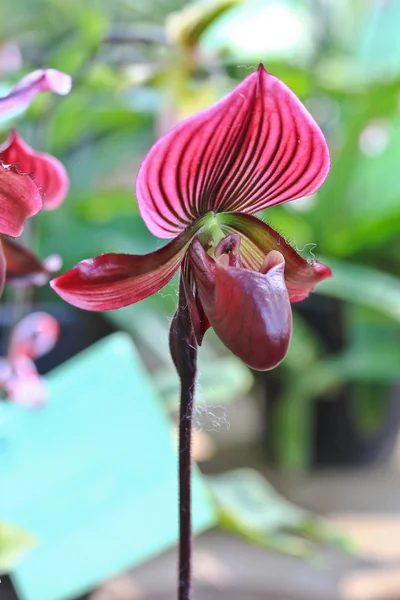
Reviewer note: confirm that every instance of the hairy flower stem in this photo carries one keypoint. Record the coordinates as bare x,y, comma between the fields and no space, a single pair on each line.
185,469
183,348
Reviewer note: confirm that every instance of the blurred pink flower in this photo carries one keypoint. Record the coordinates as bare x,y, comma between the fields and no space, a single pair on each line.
20,199
47,172
42,80
32,337
29,181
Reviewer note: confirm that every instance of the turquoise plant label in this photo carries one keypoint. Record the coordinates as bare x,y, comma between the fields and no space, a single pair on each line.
92,476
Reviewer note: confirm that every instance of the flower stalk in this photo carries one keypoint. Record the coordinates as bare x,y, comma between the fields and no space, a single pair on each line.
185,488
183,347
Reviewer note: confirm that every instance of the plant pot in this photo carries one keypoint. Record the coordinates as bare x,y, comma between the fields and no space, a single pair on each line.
341,440
7,590
339,435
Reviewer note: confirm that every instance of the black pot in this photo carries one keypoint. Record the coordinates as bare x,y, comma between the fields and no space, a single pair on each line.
338,438
78,330
7,590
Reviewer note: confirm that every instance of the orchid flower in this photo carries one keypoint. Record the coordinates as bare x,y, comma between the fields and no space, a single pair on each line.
32,337
201,184
29,181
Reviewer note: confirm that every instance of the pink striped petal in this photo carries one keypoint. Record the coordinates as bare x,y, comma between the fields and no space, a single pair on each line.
19,199
115,280
47,172
258,239
256,147
42,80
23,267
249,311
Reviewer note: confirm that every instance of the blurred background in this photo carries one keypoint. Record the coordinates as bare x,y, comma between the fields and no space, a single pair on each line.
322,428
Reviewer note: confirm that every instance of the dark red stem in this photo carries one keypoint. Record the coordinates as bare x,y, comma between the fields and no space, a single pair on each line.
185,492
183,347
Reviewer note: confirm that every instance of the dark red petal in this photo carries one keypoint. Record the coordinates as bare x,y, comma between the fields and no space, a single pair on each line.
42,80
35,335
114,280
47,172
249,311
256,147
23,267
258,239
19,199
198,318
182,340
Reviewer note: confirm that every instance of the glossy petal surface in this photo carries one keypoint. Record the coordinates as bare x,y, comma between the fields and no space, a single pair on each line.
256,147
249,311
115,280
42,80
47,172
258,239
19,199
23,267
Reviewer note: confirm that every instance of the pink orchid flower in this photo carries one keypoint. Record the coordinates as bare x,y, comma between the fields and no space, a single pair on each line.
201,184
48,173
32,337
29,181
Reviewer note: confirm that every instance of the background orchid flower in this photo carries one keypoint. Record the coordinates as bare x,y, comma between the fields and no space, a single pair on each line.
48,189
42,80
32,337
48,172
29,181
20,199
200,184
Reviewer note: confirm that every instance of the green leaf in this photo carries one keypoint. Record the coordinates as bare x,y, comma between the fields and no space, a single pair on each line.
251,507
371,195
14,542
93,26
363,285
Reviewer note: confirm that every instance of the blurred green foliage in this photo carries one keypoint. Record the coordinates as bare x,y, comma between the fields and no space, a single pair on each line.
141,66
